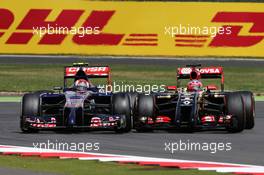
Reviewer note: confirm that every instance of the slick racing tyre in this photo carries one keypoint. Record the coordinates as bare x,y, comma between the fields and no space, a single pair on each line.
30,107
249,104
133,103
145,109
133,97
121,106
235,107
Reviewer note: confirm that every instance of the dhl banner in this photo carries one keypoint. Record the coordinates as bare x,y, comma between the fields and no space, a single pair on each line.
131,28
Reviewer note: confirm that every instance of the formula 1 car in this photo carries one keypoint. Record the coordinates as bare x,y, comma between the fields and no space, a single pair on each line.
79,106
196,107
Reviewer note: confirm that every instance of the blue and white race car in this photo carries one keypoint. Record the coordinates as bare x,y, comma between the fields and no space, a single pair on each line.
80,105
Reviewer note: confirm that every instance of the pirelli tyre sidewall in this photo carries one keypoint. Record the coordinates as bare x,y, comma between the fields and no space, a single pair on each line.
235,107
121,106
145,108
30,107
133,104
249,104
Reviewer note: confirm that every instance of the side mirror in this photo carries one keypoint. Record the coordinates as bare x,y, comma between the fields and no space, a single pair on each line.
57,88
211,87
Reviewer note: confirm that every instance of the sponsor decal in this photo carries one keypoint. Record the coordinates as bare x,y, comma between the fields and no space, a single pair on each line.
207,70
235,39
71,71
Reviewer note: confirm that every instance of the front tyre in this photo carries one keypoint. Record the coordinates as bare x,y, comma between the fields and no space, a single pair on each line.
30,107
121,106
133,103
249,104
145,109
235,108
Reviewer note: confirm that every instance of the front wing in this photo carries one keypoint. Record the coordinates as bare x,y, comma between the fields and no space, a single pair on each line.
96,122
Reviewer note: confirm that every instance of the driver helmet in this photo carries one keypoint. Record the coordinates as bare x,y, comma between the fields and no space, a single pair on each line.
81,85
194,85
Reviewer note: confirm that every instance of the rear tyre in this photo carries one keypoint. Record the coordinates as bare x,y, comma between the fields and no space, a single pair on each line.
121,106
30,107
145,109
133,103
235,107
133,97
249,104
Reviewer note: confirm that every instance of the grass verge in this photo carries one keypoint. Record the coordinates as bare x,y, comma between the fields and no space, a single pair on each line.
77,167
24,78
259,98
10,99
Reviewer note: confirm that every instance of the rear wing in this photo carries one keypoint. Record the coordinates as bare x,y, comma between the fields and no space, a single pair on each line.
90,72
205,72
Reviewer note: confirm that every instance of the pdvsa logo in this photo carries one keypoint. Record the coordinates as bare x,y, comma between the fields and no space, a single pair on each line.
210,71
207,70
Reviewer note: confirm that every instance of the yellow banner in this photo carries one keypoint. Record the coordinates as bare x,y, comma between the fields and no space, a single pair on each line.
131,28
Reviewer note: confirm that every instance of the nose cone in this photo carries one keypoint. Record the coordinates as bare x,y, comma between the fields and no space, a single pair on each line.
72,117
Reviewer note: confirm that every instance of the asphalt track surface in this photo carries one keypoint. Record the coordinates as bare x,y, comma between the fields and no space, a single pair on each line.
247,147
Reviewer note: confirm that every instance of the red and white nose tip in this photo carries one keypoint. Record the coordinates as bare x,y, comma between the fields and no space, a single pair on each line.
96,122
208,119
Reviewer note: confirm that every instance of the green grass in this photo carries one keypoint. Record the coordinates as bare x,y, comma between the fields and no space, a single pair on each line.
259,98
77,167
10,99
23,78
